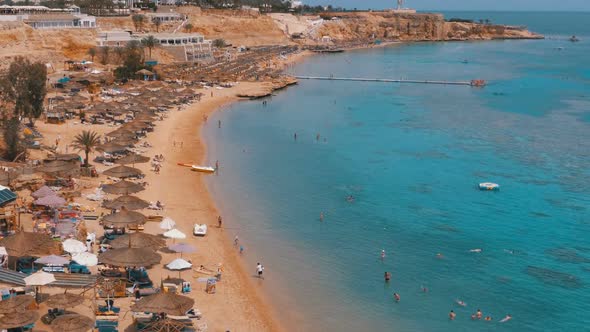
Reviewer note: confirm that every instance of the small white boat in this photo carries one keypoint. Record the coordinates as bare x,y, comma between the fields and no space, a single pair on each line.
202,169
200,230
489,186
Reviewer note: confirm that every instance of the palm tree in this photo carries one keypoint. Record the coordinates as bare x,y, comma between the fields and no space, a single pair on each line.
138,21
86,141
92,52
157,23
188,27
120,52
104,53
150,42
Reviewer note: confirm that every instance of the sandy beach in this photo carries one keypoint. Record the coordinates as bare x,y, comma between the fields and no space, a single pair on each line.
238,304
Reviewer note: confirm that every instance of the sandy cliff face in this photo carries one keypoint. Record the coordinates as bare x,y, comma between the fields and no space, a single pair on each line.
48,46
409,27
235,27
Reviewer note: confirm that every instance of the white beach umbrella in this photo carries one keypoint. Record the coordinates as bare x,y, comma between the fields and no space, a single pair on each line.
167,223
85,258
39,278
3,251
74,246
179,264
52,260
175,234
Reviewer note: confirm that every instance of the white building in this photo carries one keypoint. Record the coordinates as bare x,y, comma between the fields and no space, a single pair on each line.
41,17
121,38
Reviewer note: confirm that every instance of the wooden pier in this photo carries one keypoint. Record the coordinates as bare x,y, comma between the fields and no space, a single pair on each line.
387,80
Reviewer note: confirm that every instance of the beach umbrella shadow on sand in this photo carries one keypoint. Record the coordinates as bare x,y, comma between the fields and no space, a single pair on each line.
138,240
64,300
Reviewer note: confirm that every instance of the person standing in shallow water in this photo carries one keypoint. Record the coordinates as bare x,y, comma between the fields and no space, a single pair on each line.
295,136
259,270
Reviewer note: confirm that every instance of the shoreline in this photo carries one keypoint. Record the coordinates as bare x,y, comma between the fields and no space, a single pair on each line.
251,312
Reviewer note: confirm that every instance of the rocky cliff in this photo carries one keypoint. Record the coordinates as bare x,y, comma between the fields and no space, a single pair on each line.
410,27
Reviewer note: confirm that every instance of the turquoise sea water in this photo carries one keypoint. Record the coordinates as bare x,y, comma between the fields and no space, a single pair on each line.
411,155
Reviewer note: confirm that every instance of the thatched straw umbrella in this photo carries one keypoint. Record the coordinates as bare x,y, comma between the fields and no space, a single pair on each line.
111,147
30,244
18,319
133,159
164,302
123,187
121,133
165,325
42,192
138,240
122,172
127,201
130,257
124,218
72,323
124,141
15,304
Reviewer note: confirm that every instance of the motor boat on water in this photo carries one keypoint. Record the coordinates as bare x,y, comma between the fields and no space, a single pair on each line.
203,169
574,39
489,186
200,230
198,168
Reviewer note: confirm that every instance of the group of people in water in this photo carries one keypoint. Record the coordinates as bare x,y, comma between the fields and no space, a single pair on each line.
478,315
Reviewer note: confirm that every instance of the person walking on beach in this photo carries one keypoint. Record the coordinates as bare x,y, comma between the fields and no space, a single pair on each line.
236,241
241,249
259,270
219,221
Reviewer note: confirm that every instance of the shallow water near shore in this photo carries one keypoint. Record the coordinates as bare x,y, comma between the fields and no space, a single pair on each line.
412,155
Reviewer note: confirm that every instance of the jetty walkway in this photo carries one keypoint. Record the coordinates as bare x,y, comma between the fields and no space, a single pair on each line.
387,80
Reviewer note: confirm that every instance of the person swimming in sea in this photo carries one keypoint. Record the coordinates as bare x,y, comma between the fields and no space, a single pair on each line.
488,318
382,254
396,297
475,250
505,319
478,314
350,199
461,303
321,216
452,315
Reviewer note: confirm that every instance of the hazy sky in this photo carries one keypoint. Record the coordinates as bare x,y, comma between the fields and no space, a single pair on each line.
562,5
